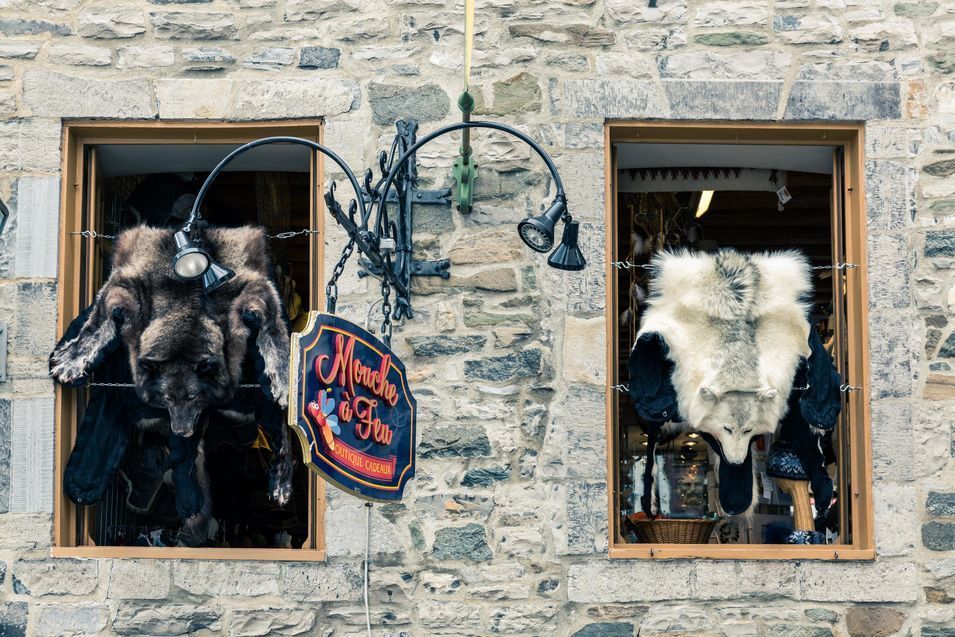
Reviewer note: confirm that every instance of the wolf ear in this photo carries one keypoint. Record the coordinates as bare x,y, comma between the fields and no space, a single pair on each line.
88,341
259,307
709,395
767,393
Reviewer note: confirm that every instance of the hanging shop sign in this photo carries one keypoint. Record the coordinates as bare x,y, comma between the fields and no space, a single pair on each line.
351,406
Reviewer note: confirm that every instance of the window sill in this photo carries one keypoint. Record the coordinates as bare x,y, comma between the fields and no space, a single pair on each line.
183,553
739,552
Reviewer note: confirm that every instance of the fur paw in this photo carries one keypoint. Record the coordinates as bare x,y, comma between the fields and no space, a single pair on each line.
65,368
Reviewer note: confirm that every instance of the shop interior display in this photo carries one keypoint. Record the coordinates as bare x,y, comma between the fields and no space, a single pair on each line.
732,415
197,452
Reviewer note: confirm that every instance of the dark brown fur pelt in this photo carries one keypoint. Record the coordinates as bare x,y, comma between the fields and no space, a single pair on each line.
186,348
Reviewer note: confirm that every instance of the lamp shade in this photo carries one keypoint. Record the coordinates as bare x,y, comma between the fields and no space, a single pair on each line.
190,261
538,232
215,276
568,256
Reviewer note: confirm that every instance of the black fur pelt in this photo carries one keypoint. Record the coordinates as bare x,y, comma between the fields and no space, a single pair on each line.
187,350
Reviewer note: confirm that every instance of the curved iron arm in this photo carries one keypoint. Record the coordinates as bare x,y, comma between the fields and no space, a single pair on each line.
460,125
194,214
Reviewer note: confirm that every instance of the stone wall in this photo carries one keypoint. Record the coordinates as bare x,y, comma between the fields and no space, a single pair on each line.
504,530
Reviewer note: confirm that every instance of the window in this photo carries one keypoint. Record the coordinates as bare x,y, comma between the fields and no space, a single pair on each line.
704,187
116,174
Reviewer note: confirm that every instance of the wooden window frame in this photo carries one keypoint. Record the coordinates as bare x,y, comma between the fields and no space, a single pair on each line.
76,291
850,137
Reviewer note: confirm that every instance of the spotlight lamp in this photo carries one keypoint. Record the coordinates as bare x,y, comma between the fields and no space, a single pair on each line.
191,261
538,232
215,276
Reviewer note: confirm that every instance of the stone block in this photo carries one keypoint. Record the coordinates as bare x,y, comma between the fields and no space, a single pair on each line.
796,630
767,579
55,577
938,536
890,195
891,261
319,57
584,350
844,100
390,102
884,35
893,353
468,543
814,28
68,620
493,245
575,441
271,58
19,50
523,364
33,330
659,12
743,65
139,579
49,94
605,629
108,22
724,14
582,35
940,504
297,10
612,98
13,619
883,581
31,463
940,243
722,100
873,621
146,57
679,619
454,441
445,345
259,622
166,619
26,26
207,58
896,521
893,447
582,529
294,98
603,582
515,619
24,532
30,144
200,99
731,38
193,25
316,582
37,213
80,55
211,578
449,615
6,413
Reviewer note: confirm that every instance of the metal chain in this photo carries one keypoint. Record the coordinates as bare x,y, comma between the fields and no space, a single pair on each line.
386,311
331,288
291,234
92,234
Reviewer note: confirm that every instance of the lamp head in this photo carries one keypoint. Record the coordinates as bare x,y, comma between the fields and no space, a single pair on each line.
538,232
568,256
190,261
215,276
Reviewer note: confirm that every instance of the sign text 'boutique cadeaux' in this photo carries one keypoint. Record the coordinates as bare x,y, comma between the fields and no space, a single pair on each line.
351,406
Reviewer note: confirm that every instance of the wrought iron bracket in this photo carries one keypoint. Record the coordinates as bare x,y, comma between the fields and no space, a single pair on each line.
385,241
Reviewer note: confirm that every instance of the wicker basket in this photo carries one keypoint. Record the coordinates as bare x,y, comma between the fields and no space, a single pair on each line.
674,531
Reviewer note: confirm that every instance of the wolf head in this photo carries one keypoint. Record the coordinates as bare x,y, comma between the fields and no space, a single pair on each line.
734,418
186,348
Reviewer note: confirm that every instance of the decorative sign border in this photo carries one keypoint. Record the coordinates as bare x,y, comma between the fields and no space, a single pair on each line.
368,476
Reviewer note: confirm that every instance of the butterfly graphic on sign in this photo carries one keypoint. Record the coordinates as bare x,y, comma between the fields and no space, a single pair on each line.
322,414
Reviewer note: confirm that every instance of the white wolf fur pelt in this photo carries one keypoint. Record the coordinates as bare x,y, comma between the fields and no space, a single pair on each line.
736,328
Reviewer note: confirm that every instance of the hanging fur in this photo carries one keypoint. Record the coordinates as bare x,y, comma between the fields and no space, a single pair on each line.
186,348
736,327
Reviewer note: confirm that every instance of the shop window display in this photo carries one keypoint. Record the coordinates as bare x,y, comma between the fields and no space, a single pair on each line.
732,426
